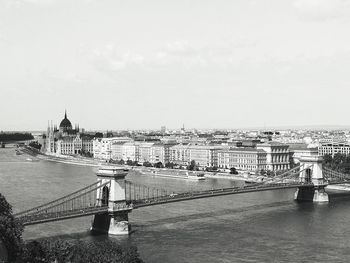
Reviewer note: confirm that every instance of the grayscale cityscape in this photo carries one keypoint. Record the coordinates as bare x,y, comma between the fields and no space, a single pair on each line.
174,131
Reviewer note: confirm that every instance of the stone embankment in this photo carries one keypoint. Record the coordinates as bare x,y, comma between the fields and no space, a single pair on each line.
95,163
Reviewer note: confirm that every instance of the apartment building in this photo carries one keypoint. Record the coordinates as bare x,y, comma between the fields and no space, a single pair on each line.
332,148
102,147
246,159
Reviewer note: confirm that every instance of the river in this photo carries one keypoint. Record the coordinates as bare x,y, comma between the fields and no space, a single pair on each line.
254,227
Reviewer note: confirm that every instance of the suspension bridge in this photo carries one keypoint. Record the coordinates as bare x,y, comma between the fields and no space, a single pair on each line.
112,197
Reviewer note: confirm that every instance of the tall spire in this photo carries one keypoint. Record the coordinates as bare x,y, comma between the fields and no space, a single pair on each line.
65,114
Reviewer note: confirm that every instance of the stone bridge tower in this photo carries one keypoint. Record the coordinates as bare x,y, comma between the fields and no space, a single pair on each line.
311,173
115,221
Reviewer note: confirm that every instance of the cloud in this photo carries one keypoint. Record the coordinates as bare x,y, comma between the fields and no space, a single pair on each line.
184,55
320,10
223,53
39,1
20,3
110,58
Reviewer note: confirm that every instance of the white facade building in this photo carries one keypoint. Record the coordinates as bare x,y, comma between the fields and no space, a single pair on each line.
277,155
245,159
102,147
333,148
143,152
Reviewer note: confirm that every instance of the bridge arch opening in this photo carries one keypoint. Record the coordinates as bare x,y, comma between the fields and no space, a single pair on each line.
105,195
308,175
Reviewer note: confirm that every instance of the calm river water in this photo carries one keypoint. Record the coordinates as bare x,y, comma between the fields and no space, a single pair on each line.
254,227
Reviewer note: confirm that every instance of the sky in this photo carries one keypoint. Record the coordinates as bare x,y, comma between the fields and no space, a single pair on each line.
117,64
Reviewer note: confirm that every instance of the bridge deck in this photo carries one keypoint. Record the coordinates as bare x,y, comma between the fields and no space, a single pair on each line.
49,217
43,216
216,192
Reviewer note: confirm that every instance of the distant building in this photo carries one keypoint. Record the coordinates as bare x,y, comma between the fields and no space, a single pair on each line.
204,155
332,148
143,152
74,145
102,147
65,140
277,155
117,151
163,129
157,153
179,154
129,151
246,159
297,150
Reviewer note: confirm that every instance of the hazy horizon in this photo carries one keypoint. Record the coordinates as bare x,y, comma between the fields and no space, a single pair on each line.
275,128
117,65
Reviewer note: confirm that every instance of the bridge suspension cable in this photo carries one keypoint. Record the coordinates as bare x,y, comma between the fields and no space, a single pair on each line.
136,193
335,176
81,202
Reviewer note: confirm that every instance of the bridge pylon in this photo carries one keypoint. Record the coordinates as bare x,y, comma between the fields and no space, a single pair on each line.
115,221
311,173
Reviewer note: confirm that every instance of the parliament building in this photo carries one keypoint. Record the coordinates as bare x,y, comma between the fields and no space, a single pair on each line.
65,140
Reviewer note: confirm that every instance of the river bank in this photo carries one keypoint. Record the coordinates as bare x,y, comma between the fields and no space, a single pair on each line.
228,176
96,163
60,159
339,187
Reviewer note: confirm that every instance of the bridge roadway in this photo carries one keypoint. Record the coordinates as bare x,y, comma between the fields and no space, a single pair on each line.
179,197
43,217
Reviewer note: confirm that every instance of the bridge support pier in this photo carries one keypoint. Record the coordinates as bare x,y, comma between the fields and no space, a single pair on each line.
320,195
119,224
312,176
115,221
112,224
312,193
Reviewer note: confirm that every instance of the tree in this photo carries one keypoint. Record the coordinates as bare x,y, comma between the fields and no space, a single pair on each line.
159,165
74,251
99,135
192,166
121,161
10,231
169,165
269,173
17,136
339,162
147,164
129,162
262,172
233,170
135,163
211,169
35,144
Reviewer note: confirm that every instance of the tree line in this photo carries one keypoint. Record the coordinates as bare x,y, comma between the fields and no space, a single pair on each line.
339,162
16,136
55,249
192,166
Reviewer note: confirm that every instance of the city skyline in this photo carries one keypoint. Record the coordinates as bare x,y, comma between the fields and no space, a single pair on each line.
133,65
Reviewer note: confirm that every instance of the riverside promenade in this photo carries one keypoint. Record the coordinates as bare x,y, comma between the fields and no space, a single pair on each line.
85,161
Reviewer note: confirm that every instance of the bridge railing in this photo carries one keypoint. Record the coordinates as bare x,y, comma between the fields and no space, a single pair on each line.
80,201
334,176
290,175
136,192
174,197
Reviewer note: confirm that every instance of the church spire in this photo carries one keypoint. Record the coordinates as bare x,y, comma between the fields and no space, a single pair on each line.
65,114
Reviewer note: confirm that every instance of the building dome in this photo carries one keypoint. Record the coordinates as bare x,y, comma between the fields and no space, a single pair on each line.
65,124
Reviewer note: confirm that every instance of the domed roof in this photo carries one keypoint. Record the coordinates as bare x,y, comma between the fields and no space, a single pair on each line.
65,123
